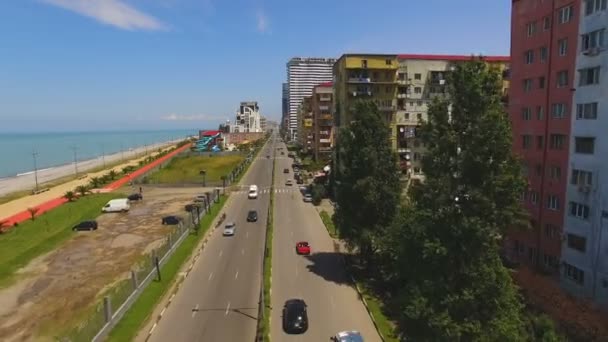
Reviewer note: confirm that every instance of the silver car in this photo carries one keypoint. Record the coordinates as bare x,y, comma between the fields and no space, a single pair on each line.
348,336
307,198
229,229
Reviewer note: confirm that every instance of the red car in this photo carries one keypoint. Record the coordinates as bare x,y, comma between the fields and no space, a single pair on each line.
303,248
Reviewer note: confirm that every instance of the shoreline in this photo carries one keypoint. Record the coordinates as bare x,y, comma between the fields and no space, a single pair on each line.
26,181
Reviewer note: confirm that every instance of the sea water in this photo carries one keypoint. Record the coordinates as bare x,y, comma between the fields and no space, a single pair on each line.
55,149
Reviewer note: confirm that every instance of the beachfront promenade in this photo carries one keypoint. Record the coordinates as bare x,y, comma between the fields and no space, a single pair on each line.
16,211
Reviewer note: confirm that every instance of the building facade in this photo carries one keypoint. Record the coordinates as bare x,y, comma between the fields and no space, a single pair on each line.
248,118
304,135
544,37
585,243
263,124
285,104
322,120
302,75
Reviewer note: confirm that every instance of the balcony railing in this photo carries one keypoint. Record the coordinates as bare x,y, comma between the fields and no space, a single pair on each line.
359,80
362,93
326,117
325,98
403,96
387,108
326,122
323,107
402,82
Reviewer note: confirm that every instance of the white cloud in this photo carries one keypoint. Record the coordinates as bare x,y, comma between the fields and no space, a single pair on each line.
111,12
198,117
262,22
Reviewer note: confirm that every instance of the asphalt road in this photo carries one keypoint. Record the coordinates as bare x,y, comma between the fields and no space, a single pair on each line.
218,301
319,279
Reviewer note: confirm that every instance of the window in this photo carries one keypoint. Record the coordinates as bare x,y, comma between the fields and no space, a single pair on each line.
593,39
592,6
565,14
562,78
388,62
575,274
540,141
534,197
417,76
387,89
416,156
550,261
584,145
539,169
539,113
543,54
364,63
577,242
527,85
419,103
586,111
526,114
579,210
417,90
524,169
546,23
581,177
406,116
541,82
526,141
529,57
555,172
562,46
589,76
558,110
552,202
531,28
551,231
557,141
419,116
532,253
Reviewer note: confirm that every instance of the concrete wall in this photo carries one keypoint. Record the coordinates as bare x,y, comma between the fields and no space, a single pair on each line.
239,138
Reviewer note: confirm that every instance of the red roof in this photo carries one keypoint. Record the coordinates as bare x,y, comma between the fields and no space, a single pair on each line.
454,57
210,133
326,84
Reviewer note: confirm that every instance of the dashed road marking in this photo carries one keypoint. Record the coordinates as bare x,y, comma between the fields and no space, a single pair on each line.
236,275
227,309
221,252
195,310
243,251
210,276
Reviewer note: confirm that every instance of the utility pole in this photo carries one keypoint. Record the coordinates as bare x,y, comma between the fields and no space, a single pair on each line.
35,155
75,149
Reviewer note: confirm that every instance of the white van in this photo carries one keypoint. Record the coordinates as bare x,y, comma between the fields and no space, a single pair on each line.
253,192
116,205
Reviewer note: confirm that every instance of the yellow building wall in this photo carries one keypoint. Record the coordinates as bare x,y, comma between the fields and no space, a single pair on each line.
373,62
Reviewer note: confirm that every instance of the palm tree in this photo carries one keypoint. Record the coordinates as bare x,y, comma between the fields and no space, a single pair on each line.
82,190
141,163
112,174
126,170
70,196
33,211
95,182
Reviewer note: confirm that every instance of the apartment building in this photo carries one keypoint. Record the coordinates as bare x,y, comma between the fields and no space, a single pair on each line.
285,104
303,74
248,118
584,252
305,125
544,36
421,78
322,120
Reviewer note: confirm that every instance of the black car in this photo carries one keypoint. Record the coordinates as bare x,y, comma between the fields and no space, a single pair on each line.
85,225
295,319
285,170
171,220
135,197
252,216
192,207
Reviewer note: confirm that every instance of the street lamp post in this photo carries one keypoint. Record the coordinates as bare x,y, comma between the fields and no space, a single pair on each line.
204,174
75,149
35,155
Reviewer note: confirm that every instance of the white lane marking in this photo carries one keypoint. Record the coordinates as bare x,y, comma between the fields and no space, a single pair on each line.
227,309
210,276
236,275
221,252
163,311
243,251
195,310
291,234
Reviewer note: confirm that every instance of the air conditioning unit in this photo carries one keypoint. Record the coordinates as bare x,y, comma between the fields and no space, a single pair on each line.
584,189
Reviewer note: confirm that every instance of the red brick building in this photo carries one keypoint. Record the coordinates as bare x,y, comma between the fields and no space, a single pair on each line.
544,36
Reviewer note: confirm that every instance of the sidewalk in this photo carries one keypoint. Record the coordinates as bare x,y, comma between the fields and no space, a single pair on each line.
16,211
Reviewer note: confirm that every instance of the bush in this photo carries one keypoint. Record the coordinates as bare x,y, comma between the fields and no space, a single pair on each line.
318,193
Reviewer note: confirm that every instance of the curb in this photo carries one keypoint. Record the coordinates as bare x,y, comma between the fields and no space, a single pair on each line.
371,315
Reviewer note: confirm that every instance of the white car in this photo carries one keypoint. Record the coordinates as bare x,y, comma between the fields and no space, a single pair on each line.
229,229
347,336
253,192
117,205
307,198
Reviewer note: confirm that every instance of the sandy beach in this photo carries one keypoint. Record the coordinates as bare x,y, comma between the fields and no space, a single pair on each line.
26,182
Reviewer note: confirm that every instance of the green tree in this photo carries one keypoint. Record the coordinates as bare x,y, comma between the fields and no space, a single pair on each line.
69,195
367,182
82,190
318,192
95,182
112,174
451,284
33,211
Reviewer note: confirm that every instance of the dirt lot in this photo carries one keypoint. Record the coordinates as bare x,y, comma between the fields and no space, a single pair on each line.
58,287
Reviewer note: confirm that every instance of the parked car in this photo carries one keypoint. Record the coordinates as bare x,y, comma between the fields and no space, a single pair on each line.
285,170
171,220
302,248
229,229
300,180
252,216
307,197
295,317
85,225
117,205
347,336
135,197
289,182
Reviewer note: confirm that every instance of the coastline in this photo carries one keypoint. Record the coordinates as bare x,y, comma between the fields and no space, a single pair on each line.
26,181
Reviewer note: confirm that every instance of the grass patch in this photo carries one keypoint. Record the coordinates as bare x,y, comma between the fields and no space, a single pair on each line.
134,319
376,307
329,224
185,169
268,260
31,239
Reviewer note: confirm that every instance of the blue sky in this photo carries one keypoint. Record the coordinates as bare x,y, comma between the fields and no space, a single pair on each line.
154,64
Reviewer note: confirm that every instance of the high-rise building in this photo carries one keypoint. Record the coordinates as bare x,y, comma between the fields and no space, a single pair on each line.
263,124
544,36
285,103
585,245
247,118
302,75
322,119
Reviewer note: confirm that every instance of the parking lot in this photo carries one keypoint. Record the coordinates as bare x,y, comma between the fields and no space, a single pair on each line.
56,287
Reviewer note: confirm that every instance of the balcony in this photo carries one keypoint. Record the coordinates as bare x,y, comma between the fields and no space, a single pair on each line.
387,108
326,117
359,80
403,96
323,107
361,93
402,82
325,98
